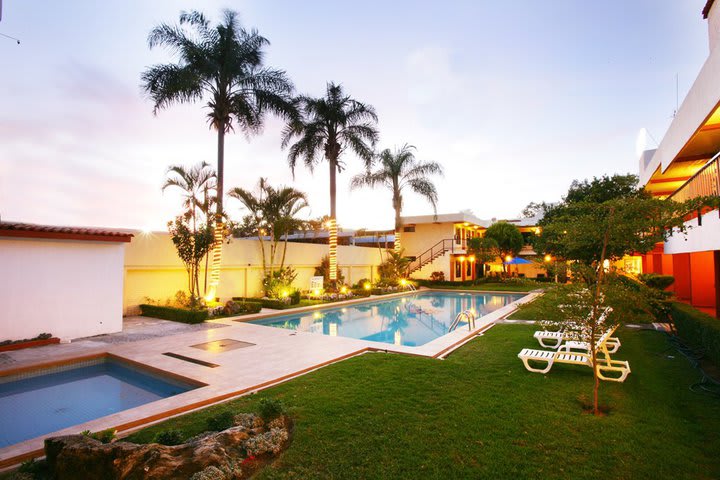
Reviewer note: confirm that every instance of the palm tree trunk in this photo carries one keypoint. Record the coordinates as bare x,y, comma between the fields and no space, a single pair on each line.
398,221
333,224
219,225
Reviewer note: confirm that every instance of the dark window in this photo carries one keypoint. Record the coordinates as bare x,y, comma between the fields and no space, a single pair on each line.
409,229
458,269
469,269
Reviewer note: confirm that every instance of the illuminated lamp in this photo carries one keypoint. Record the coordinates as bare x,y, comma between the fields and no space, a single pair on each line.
548,258
367,285
508,258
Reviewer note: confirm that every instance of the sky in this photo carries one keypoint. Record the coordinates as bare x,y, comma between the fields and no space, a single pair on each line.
514,99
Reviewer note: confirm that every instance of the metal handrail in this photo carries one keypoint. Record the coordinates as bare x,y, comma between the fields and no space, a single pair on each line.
468,316
431,253
705,182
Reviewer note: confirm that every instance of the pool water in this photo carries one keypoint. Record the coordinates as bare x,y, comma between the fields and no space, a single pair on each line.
44,403
410,320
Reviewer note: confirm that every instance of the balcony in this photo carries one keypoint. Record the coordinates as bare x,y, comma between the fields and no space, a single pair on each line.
705,182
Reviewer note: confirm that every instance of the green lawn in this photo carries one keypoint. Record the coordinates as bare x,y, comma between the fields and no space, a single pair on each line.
480,414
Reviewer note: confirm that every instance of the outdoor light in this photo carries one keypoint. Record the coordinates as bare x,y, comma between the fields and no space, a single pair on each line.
366,285
343,289
316,292
548,258
461,258
403,282
471,258
284,293
508,258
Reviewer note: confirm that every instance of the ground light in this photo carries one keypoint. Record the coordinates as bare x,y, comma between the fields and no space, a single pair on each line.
367,285
343,289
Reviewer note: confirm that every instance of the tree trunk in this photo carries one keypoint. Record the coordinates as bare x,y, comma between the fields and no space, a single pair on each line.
333,223
219,233
397,204
595,312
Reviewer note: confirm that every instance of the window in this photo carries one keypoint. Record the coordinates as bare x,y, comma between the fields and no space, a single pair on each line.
468,271
458,269
409,229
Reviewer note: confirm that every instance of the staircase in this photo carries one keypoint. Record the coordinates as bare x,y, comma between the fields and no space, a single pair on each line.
437,250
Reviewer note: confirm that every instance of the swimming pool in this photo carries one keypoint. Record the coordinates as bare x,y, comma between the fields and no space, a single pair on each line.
41,402
409,320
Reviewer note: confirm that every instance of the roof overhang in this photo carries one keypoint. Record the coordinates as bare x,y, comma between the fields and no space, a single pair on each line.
54,232
460,217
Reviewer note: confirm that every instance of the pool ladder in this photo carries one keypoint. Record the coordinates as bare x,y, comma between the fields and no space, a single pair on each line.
468,316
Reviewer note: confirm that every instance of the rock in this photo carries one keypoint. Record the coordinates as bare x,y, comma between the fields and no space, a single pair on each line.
213,456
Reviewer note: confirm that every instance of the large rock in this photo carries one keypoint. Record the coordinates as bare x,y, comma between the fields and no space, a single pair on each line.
217,456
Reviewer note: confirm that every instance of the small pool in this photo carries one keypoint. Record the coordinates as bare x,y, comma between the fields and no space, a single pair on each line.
36,403
410,320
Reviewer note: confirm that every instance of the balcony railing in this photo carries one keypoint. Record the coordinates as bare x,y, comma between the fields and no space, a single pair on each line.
705,182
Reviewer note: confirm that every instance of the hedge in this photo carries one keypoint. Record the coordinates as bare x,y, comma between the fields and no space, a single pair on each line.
698,329
266,302
175,314
241,307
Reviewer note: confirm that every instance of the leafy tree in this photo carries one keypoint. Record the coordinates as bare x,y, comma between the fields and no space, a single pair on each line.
485,249
397,171
605,188
323,270
393,268
326,128
222,65
192,244
508,238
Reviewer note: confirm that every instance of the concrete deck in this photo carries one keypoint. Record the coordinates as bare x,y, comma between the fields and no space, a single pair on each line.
276,356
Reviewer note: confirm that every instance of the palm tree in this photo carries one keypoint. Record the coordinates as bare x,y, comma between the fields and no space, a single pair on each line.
399,170
327,127
194,182
274,213
223,66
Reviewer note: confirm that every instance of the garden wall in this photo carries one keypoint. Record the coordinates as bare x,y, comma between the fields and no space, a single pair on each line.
153,269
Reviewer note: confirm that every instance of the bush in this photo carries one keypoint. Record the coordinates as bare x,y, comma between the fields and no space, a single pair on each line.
266,302
169,437
221,421
175,314
295,297
654,280
700,330
271,408
104,436
233,307
437,277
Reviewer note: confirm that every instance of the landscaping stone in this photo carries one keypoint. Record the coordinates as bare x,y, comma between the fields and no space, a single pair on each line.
214,456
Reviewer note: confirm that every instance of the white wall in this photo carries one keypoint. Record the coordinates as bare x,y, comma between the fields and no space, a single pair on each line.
714,25
67,288
153,269
699,238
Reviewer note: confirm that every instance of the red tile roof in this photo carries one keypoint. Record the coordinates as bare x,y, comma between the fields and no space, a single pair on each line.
31,230
706,9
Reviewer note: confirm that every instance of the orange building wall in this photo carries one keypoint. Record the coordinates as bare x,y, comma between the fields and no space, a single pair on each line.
681,271
702,266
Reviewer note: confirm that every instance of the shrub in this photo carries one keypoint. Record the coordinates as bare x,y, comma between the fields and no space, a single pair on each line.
278,284
104,436
437,277
221,421
324,270
698,329
169,437
175,314
273,303
295,297
361,283
270,408
654,280
233,307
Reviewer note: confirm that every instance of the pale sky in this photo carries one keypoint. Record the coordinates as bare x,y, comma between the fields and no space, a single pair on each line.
515,99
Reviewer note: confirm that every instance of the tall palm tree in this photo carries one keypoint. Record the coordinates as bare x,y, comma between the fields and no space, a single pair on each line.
326,128
222,65
397,171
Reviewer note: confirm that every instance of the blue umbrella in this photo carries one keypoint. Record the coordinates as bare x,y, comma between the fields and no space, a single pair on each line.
517,261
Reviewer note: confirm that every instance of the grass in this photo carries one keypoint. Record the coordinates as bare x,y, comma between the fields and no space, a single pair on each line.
480,414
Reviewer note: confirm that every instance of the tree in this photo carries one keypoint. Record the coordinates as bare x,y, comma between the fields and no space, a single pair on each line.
595,233
198,190
272,212
224,66
485,249
326,128
399,170
605,188
508,238
192,244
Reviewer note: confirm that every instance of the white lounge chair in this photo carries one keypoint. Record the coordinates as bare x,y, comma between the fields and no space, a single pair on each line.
617,369
558,338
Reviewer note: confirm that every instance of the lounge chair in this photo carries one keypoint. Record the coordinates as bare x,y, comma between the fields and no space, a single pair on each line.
560,337
618,370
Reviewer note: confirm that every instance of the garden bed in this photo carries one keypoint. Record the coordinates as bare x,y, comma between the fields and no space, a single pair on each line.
8,346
